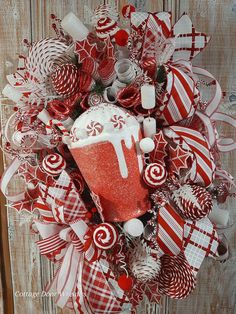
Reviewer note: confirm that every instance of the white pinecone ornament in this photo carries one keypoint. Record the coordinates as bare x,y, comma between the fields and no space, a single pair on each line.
65,79
192,201
143,262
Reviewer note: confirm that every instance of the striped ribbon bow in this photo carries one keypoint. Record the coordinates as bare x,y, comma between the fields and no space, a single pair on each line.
82,280
67,245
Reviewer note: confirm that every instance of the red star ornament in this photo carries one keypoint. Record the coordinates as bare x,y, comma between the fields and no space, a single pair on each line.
178,159
159,153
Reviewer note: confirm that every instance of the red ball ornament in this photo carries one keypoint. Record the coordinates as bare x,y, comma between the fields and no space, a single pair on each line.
125,282
88,215
121,37
127,10
94,210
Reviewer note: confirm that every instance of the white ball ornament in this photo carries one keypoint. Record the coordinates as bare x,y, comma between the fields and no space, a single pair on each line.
147,145
31,186
134,227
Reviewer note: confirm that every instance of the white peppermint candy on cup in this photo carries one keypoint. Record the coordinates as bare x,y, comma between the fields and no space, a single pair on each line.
105,236
155,174
53,164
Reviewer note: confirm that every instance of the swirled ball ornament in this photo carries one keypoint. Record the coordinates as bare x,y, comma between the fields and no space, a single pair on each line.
65,79
176,278
53,164
105,236
193,202
155,174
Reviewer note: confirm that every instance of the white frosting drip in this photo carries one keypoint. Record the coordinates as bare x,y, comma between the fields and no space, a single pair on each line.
129,133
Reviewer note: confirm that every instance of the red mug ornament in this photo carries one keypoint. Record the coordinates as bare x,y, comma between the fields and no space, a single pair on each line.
109,161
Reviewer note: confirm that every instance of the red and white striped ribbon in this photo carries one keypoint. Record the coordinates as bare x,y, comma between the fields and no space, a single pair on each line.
202,170
180,95
170,230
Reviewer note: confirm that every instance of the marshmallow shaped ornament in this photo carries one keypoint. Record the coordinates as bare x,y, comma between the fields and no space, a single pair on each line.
110,161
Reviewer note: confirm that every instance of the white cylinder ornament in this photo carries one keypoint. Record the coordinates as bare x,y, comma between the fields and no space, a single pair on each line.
149,127
109,95
219,216
72,24
12,93
117,85
134,227
148,96
125,70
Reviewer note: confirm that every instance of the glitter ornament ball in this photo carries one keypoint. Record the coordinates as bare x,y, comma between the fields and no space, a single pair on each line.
125,282
121,37
134,227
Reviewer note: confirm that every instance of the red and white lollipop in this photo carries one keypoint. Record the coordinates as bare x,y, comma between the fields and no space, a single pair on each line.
105,236
106,27
155,174
53,164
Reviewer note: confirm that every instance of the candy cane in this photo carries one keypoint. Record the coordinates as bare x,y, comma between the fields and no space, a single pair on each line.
57,123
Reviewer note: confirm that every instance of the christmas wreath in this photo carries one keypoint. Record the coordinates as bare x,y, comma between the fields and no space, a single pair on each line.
114,133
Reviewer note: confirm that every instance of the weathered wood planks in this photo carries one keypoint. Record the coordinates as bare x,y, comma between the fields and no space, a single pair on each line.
216,291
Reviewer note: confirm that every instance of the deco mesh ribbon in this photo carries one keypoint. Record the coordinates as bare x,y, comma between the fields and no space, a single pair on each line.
118,150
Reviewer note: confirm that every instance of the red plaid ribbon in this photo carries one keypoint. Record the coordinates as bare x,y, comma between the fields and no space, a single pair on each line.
200,240
138,23
97,291
170,230
188,42
64,203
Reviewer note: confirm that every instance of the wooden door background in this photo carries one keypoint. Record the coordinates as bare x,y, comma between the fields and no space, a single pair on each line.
22,268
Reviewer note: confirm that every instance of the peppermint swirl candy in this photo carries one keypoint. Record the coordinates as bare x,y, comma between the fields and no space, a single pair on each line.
95,99
155,174
118,121
104,10
106,27
54,164
94,128
105,236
